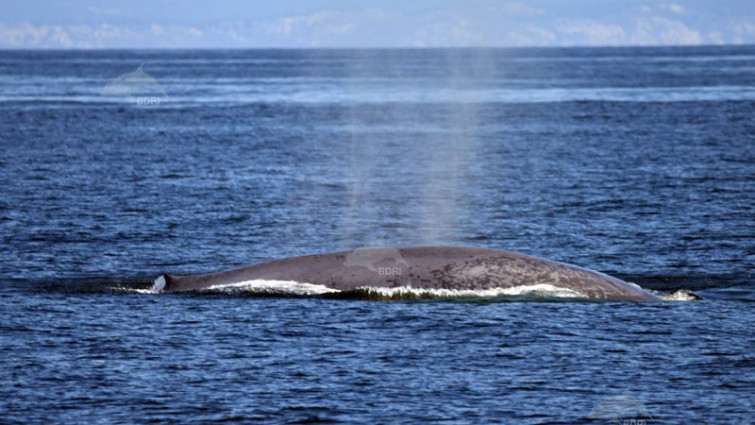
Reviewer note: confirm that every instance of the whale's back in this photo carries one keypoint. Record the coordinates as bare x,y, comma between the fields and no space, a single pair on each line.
437,268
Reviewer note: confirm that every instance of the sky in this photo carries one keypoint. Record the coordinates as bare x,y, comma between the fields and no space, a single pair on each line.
88,24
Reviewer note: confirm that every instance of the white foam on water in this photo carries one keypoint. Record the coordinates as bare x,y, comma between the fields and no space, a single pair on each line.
680,295
538,290
283,287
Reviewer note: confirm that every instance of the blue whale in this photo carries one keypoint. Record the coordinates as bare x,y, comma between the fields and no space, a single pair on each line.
421,268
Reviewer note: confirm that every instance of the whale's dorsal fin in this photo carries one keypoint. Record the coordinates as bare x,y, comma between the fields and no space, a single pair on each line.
162,283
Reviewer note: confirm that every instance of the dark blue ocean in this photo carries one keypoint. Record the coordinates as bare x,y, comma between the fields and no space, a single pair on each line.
637,162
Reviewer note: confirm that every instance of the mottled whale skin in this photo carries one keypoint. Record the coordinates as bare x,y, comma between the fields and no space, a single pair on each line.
454,268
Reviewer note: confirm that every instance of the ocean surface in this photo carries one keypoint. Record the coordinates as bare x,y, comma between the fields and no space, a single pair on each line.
637,162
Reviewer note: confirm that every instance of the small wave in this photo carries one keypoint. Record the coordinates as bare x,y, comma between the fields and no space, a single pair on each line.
292,288
409,293
270,287
252,287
